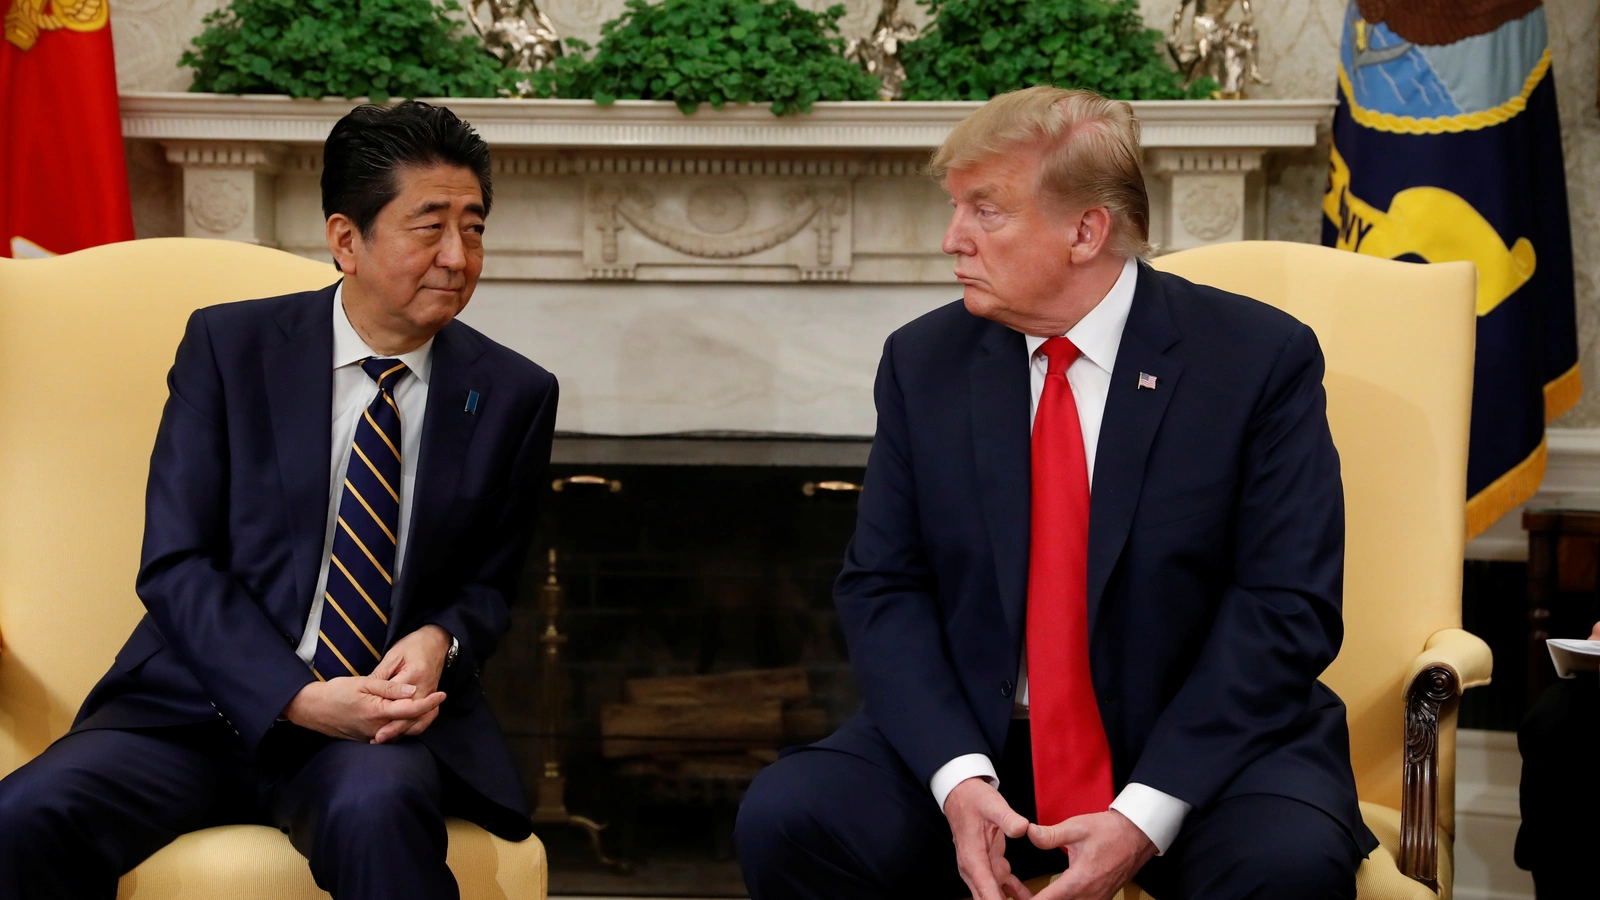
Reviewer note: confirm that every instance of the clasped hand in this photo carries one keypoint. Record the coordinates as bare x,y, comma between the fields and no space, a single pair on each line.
400,697
1105,850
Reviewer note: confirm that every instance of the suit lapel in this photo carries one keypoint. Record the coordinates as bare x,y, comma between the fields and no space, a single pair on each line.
1132,417
298,373
1001,450
447,430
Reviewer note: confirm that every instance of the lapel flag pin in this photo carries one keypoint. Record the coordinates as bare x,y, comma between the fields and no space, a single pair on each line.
1146,380
472,402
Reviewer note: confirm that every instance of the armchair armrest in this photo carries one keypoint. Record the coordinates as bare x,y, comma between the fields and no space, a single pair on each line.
1462,652
1452,661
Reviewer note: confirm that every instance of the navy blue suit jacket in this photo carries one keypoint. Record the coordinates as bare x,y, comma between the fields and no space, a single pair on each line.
235,513
1216,552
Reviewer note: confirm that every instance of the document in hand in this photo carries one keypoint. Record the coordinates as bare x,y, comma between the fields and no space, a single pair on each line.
1571,657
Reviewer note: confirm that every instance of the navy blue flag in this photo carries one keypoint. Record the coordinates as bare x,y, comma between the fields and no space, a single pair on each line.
1447,147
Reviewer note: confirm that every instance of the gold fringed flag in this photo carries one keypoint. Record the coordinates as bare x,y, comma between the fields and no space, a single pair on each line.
1447,147
63,176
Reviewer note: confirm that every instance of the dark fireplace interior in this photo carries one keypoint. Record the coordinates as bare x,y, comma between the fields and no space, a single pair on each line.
671,570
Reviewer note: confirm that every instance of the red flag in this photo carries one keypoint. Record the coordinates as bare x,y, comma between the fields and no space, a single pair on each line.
63,177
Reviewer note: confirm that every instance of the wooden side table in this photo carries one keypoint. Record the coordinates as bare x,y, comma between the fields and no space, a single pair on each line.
1563,584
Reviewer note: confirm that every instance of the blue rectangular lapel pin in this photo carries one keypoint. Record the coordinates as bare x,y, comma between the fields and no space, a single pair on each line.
472,402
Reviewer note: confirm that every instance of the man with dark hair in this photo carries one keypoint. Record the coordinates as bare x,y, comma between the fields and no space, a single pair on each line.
339,500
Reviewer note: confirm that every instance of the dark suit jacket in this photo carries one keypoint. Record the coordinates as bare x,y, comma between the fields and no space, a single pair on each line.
1216,552
235,514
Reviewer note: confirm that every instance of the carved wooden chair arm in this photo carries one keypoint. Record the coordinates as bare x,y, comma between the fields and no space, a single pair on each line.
1452,661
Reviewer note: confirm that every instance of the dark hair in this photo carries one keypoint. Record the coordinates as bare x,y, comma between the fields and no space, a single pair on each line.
369,144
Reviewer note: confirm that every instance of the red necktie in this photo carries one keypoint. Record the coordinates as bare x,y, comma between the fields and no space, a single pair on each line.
1071,760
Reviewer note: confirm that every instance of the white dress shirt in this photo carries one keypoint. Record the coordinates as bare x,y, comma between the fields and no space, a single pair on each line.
1097,337
353,390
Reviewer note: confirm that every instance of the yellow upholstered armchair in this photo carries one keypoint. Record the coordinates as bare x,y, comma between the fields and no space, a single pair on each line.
85,343
1398,338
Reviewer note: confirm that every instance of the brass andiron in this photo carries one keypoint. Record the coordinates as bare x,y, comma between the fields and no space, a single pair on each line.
551,806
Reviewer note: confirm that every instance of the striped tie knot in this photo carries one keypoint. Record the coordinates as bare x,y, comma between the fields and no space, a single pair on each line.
386,372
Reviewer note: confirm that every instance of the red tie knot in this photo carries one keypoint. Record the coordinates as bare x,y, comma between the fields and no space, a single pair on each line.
1061,353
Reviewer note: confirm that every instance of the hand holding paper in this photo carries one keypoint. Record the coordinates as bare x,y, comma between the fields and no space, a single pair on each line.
1571,656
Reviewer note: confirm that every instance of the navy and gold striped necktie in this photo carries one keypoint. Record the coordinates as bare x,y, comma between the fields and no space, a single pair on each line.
355,612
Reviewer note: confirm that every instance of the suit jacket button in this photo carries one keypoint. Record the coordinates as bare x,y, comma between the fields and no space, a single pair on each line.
1006,688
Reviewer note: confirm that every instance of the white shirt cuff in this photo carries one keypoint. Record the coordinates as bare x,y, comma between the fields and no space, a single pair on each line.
952,773
1158,815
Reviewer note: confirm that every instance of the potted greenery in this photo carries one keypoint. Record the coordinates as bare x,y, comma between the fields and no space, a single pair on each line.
978,48
713,51
342,48
689,52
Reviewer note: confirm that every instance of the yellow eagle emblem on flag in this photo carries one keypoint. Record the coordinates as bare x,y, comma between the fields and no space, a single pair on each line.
26,18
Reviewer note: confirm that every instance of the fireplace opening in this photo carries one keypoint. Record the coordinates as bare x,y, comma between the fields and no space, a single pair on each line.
675,629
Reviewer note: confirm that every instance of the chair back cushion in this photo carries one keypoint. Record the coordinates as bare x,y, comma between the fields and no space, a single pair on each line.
86,340
1398,339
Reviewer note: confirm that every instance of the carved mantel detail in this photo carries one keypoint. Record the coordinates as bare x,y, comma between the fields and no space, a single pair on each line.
228,189
718,208
680,227
1214,194
217,204
1208,211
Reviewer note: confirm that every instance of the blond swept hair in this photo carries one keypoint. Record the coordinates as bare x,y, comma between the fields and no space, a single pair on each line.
1091,154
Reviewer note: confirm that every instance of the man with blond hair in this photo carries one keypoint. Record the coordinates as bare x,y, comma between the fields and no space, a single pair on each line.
1132,681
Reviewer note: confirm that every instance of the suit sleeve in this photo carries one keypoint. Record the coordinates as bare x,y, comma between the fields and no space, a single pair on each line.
886,601
203,613
1278,624
480,612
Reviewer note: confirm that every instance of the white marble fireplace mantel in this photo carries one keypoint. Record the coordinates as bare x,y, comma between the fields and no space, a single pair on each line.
647,123
724,271
736,195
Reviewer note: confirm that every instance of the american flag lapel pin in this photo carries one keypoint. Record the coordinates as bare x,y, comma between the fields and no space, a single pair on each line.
1146,380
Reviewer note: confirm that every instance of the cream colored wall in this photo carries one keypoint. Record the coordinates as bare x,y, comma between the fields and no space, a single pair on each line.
1575,53
1299,52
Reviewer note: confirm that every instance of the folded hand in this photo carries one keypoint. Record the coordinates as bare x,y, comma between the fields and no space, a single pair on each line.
1104,852
416,659
357,708
980,822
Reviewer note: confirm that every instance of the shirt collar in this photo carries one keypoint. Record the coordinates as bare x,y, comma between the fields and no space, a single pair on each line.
349,349
1098,334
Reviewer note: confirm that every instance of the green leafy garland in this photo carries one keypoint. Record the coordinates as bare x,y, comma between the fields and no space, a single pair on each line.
686,51
979,48
343,48
716,52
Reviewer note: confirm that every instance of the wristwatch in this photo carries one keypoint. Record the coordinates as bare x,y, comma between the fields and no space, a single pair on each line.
454,651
